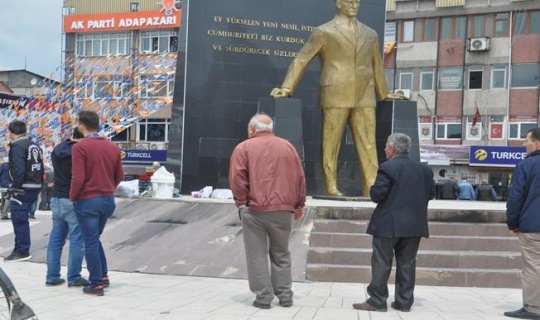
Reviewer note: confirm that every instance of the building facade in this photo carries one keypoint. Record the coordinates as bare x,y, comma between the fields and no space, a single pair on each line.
120,60
473,67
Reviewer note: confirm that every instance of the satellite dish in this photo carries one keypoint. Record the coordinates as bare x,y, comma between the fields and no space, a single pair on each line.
33,81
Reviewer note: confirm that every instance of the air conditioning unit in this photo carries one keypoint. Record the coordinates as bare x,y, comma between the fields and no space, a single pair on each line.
142,146
157,146
478,44
405,92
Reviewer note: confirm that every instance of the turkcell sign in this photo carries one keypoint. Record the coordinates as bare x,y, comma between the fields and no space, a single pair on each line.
143,155
491,156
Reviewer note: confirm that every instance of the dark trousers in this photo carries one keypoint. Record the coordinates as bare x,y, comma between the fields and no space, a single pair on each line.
46,194
384,249
21,205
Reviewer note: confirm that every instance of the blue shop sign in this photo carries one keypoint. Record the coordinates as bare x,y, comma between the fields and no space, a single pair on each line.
490,156
143,155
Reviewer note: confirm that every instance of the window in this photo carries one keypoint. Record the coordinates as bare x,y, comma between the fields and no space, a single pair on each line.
478,26
429,30
405,79
525,75
474,133
121,136
496,127
449,131
389,76
154,130
389,31
68,11
156,86
159,41
527,22
134,6
84,89
426,79
408,31
476,74
453,28
498,77
103,44
501,25
450,78
518,130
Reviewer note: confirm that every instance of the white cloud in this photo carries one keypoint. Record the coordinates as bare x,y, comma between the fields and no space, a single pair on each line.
31,29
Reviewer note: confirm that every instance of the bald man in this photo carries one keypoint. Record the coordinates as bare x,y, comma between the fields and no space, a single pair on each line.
269,188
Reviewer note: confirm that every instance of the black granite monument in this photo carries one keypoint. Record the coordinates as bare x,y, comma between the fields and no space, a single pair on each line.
231,54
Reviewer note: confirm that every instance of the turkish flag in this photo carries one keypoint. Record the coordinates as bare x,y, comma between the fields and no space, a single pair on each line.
476,117
496,131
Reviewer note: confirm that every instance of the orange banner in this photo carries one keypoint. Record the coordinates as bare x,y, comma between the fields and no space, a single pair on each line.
121,21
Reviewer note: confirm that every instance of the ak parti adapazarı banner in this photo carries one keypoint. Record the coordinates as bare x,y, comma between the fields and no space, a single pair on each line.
121,21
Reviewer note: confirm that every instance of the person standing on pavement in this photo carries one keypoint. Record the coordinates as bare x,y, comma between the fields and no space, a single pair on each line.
65,225
4,184
485,192
523,220
46,190
450,189
402,190
466,191
268,184
26,173
96,172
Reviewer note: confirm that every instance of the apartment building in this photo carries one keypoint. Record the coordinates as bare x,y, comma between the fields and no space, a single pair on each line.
120,60
473,67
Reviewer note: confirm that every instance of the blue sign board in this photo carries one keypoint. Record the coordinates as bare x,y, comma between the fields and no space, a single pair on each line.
144,155
491,156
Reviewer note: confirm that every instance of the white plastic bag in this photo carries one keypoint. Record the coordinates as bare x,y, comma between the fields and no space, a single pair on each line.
128,189
222,194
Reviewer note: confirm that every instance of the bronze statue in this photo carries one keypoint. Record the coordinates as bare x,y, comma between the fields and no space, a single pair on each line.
351,74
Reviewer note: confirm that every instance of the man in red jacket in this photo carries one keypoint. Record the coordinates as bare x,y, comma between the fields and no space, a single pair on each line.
268,184
96,171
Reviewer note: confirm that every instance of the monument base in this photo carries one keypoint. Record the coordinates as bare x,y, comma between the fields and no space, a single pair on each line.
340,198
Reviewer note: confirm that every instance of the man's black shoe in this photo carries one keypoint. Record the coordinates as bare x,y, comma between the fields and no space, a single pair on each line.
32,217
522,314
95,290
17,256
399,307
285,303
81,282
5,218
259,305
54,283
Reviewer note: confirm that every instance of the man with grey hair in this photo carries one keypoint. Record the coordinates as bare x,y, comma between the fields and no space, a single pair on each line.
269,188
402,190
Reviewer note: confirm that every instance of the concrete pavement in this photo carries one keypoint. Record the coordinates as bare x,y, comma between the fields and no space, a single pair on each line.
147,296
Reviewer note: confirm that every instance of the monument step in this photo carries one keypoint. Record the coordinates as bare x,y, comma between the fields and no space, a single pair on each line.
435,242
435,228
425,258
453,277
440,215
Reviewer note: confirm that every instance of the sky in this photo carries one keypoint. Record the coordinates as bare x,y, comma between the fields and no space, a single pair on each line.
31,30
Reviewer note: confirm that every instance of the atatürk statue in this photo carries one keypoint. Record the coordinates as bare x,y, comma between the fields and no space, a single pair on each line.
351,74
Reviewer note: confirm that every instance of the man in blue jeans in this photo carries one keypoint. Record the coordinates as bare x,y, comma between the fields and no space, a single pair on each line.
26,173
65,223
96,172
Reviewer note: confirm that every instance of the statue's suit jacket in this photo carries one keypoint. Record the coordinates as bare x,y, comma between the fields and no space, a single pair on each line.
351,67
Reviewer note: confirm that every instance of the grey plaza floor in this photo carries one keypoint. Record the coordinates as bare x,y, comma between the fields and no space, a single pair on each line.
149,296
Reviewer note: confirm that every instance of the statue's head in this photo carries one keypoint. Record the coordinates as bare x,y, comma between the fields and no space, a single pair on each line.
347,8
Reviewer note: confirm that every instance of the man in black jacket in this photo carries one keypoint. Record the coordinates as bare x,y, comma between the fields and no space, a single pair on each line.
402,190
450,189
25,172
